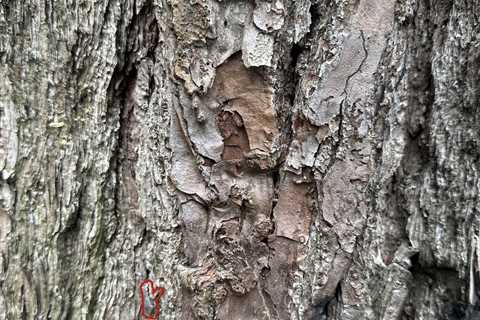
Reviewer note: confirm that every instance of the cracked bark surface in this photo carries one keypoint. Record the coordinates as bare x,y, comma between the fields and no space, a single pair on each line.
309,159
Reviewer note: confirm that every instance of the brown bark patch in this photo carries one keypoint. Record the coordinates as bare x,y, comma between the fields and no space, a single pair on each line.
293,214
247,93
234,135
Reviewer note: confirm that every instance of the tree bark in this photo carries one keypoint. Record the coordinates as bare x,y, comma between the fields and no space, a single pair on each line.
267,159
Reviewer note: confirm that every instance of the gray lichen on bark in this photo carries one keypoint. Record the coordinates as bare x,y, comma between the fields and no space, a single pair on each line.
267,159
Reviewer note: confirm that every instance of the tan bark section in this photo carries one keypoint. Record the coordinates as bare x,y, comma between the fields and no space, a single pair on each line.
247,93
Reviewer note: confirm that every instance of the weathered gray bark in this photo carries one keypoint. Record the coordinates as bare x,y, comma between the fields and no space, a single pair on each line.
268,159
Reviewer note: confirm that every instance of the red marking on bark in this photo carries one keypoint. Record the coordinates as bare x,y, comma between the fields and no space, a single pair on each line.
157,293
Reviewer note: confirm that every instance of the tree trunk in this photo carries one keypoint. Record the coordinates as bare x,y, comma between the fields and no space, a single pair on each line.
267,159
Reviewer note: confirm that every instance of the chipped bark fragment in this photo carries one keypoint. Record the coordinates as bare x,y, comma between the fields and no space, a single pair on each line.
186,175
257,47
199,115
292,213
269,16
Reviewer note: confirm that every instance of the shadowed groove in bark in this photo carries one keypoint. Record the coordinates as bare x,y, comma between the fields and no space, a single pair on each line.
121,106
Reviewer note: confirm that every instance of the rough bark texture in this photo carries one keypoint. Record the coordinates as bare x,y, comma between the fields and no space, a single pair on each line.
267,159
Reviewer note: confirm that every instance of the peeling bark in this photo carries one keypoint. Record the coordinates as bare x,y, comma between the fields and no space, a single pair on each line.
259,159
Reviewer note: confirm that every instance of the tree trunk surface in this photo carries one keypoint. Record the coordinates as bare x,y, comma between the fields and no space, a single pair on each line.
267,159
